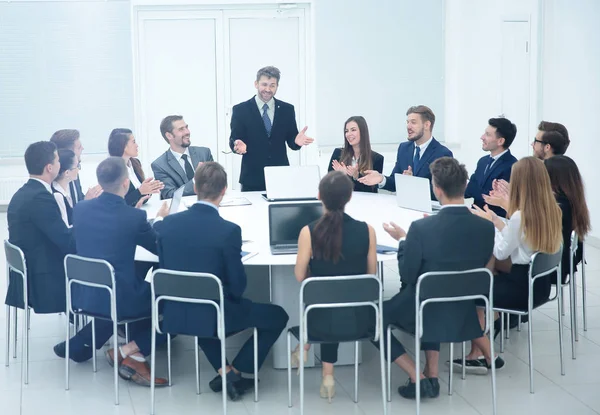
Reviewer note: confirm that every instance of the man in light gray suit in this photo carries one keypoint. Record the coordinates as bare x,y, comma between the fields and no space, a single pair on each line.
176,167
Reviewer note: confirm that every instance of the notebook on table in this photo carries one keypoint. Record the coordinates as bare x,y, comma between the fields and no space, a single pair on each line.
286,220
291,183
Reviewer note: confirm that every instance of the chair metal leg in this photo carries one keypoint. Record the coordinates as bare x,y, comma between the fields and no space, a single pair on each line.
28,318
289,368
418,367
255,336
450,372
519,324
126,332
15,333
152,364
574,306
382,369
169,360
493,355
389,364
68,337
197,366
563,295
25,346
76,322
464,360
355,372
573,311
507,327
116,357
301,368
584,291
560,336
94,346
530,343
380,264
7,361
501,332
223,372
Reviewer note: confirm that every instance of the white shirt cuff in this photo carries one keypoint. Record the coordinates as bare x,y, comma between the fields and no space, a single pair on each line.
383,182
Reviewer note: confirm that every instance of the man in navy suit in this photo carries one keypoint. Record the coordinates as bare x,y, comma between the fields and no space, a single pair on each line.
107,228
176,167
497,138
71,140
35,226
199,240
260,128
415,155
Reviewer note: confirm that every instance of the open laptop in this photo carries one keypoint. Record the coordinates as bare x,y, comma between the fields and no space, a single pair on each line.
286,220
291,183
412,192
176,200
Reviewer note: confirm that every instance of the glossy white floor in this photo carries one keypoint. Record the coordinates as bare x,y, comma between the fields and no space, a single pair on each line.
91,394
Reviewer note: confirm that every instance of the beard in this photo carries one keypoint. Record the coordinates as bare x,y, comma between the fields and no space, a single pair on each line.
416,137
186,144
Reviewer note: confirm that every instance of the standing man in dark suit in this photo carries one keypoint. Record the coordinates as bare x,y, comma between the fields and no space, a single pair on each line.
36,226
452,240
415,155
176,167
71,140
497,138
107,228
180,248
260,128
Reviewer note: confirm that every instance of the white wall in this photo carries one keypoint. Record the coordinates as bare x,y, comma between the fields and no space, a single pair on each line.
571,85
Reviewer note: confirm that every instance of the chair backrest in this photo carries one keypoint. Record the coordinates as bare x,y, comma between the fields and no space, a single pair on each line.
544,264
454,285
15,258
89,271
340,289
183,286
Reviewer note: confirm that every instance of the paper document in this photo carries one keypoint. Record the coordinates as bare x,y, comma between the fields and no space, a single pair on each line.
234,201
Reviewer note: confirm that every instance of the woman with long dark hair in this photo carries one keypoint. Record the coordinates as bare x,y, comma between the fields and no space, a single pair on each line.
121,143
335,245
569,191
356,156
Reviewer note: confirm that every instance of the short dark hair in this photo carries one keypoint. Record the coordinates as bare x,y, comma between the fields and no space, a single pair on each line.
166,125
65,139
425,113
450,176
269,72
66,159
210,180
504,129
555,126
117,141
38,156
556,141
110,174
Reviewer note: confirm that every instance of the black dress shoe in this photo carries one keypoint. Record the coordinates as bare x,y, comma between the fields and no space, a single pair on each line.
77,353
435,387
243,385
499,363
233,391
409,391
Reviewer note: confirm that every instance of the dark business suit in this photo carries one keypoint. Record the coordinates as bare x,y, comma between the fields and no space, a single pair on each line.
481,181
106,228
182,247
452,240
76,192
405,157
262,149
133,195
167,169
36,226
376,164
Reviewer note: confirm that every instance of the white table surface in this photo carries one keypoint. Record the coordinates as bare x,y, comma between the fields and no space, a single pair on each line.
373,208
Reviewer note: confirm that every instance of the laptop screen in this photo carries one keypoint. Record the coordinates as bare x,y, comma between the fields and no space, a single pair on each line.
174,208
287,220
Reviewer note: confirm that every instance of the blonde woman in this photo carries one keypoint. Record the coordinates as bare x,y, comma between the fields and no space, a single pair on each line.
535,225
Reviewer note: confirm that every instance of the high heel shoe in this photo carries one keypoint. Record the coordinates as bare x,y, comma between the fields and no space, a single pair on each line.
328,387
296,357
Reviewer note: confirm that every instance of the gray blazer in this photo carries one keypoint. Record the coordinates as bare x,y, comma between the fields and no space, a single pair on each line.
167,169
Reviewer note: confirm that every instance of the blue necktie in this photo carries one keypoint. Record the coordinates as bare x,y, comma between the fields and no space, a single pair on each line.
266,119
416,159
489,164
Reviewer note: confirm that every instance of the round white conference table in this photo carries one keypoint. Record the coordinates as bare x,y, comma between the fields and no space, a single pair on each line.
271,277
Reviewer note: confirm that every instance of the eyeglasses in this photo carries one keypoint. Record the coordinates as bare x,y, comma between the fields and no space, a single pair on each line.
535,140
78,167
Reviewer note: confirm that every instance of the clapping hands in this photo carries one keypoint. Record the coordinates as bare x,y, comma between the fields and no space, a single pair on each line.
351,171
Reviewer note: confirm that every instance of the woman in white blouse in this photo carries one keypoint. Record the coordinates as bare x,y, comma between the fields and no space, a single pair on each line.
121,143
534,225
69,169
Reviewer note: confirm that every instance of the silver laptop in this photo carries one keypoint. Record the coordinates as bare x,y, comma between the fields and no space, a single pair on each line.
286,220
291,183
176,200
413,192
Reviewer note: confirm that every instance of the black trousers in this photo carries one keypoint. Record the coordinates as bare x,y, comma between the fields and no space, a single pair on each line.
512,290
269,320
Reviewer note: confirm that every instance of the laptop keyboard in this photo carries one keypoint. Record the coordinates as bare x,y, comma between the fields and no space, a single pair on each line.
286,246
